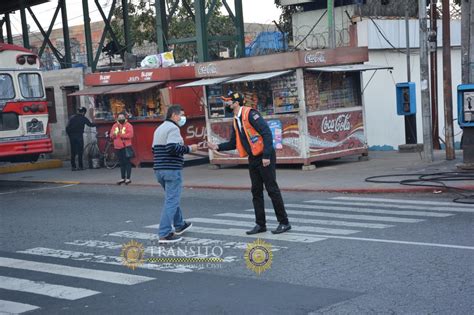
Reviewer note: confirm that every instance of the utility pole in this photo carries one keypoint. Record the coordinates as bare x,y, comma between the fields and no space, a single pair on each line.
331,25
447,84
410,120
433,43
424,85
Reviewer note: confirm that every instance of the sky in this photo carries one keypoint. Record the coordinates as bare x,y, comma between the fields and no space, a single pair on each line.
255,11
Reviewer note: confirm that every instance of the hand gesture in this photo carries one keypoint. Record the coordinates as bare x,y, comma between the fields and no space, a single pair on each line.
265,162
212,146
193,148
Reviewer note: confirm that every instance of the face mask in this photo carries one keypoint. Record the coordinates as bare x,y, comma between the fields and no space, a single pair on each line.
228,109
182,121
121,121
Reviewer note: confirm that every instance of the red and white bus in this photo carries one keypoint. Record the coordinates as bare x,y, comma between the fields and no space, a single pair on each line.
24,132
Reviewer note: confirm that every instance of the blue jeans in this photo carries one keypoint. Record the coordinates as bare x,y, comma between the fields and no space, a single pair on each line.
171,215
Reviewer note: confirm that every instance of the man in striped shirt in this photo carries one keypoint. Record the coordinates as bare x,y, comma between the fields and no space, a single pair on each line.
168,161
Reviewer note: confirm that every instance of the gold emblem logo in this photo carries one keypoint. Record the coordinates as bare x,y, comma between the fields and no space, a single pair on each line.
133,254
258,256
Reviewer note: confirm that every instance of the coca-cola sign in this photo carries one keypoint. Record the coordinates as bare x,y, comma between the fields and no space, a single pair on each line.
315,57
207,69
341,123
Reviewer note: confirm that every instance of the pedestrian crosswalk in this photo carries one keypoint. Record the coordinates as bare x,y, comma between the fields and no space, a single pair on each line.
313,221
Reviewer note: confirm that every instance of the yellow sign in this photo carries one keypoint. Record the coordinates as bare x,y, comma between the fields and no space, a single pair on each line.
133,254
258,256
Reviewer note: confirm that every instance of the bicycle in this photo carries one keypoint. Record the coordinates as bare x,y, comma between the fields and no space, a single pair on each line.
95,156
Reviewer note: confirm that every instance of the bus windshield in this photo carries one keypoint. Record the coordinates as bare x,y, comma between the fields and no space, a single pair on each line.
7,90
30,85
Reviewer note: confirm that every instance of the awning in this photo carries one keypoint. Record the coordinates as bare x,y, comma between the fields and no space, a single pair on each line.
205,82
133,88
259,76
94,90
349,68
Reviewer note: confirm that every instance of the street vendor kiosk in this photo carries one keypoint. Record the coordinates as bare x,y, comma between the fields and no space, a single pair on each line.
312,101
144,95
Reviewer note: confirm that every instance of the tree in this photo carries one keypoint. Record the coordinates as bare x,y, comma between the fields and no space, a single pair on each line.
181,25
285,20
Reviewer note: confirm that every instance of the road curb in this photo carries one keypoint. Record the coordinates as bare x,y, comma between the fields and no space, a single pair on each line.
23,167
394,190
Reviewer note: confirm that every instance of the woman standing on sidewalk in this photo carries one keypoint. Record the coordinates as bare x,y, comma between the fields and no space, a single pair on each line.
122,134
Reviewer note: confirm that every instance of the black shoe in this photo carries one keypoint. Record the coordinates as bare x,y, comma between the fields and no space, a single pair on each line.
128,181
184,228
257,229
120,182
73,169
282,228
80,169
171,238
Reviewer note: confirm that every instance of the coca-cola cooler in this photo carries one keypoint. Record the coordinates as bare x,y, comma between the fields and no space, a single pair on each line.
311,100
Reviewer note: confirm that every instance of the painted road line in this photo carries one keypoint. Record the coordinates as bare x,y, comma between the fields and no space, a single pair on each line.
377,240
389,206
406,201
312,221
9,307
194,241
289,237
103,259
270,226
19,191
43,288
347,216
393,212
85,273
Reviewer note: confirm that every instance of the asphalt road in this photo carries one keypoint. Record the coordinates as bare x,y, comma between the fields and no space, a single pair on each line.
62,247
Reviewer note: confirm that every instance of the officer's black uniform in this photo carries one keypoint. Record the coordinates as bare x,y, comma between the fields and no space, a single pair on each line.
259,174
75,130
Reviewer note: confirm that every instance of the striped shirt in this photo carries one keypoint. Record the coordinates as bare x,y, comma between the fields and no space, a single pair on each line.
168,147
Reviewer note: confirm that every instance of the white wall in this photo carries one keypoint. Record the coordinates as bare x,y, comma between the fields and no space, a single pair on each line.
384,127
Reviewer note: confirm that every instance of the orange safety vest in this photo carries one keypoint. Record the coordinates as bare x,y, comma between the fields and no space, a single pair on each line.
254,138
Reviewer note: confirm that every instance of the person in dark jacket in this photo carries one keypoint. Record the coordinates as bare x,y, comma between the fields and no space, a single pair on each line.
252,137
75,131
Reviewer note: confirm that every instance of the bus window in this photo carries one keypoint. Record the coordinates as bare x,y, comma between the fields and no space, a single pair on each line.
9,121
30,85
7,90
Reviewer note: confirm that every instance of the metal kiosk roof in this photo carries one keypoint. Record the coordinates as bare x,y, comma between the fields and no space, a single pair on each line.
349,68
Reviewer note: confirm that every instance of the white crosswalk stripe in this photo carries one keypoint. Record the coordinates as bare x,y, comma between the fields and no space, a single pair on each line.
457,206
10,307
43,288
357,203
346,216
313,221
290,237
367,210
272,226
85,273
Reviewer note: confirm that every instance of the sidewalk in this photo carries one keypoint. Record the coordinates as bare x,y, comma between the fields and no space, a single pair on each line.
342,175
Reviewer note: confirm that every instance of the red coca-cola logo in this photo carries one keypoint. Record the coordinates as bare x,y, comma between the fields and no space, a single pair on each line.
318,57
341,123
207,69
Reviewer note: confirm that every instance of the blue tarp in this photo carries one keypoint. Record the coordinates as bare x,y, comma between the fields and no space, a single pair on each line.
267,42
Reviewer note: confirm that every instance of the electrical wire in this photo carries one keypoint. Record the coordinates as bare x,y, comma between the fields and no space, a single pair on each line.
385,37
434,180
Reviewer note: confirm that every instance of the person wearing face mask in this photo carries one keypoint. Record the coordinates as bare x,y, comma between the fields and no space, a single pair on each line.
168,150
122,135
252,137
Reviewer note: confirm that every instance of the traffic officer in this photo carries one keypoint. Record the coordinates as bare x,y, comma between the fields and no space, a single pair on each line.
252,137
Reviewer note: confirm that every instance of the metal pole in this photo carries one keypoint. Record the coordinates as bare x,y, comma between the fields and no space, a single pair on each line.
239,26
447,84
67,43
331,26
433,38
126,26
24,25
465,30
87,33
471,42
424,85
1,30
161,25
410,120
201,30
9,28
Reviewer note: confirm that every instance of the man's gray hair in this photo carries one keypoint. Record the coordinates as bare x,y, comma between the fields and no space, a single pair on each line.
173,109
